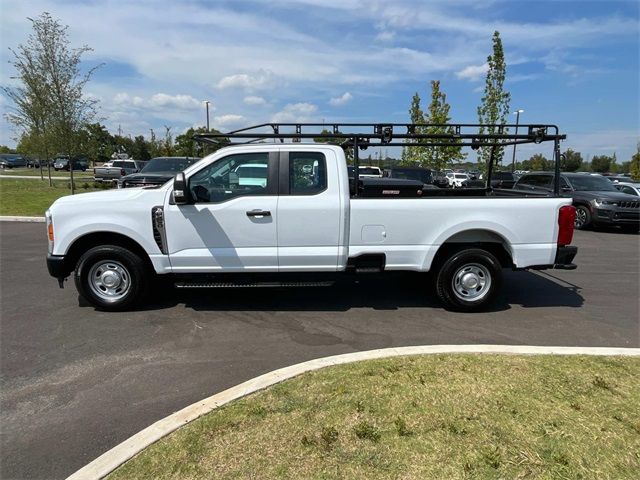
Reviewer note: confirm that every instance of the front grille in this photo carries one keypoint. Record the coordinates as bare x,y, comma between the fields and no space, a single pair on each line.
629,204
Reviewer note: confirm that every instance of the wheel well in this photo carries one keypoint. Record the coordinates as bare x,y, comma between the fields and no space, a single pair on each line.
482,239
94,239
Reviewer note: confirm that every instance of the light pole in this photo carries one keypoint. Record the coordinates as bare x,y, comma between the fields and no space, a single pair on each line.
513,160
206,102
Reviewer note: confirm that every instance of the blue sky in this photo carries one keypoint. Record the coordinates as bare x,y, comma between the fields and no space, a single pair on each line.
572,63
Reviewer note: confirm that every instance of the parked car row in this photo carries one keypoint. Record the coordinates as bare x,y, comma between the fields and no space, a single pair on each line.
597,200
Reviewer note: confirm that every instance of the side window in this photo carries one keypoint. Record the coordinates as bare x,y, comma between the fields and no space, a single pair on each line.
628,190
233,176
564,184
307,173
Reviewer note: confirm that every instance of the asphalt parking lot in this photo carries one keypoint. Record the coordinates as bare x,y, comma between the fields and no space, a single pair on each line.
75,381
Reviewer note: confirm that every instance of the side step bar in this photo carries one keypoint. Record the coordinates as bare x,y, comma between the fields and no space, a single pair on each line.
251,284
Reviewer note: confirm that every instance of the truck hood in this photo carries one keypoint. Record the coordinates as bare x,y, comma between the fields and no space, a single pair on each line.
606,195
106,198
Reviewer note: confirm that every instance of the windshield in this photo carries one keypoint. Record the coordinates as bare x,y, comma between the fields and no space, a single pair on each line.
461,175
592,183
168,165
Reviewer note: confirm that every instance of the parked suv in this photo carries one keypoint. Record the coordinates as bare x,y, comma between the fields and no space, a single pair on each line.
597,201
12,160
503,179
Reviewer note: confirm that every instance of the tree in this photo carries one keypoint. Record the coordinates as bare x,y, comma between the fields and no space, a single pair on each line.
438,158
5,149
414,155
634,168
601,163
494,108
539,162
572,161
186,146
49,102
140,150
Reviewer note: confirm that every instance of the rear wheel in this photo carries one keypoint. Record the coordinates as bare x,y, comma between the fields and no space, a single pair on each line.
469,280
111,277
583,217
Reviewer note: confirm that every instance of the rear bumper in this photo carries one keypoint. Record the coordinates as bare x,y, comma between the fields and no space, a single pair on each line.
563,260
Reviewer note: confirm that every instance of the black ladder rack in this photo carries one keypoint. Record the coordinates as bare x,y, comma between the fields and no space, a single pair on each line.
360,136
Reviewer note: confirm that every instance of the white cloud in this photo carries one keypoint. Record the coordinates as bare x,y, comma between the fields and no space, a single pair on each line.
254,100
157,101
228,120
173,101
473,72
262,79
341,100
386,35
295,112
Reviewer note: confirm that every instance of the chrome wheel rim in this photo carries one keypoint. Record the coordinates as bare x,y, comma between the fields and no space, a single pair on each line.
581,217
471,282
109,280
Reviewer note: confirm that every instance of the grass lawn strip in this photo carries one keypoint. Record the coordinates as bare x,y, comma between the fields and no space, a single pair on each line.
35,172
24,197
434,416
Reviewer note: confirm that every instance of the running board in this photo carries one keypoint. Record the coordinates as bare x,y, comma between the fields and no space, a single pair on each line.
251,284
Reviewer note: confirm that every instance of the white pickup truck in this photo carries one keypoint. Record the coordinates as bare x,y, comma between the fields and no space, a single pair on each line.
282,214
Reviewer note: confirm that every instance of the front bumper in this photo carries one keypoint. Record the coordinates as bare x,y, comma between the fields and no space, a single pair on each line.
616,216
58,266
563,260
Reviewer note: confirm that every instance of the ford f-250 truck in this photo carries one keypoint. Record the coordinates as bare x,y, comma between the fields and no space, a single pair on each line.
286,214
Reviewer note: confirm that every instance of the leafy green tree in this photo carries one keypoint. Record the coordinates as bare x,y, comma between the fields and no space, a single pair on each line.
49,101
186,146
572,161
414,155
539,162
634,167
439,158
5,149
494,108
601,163
140,149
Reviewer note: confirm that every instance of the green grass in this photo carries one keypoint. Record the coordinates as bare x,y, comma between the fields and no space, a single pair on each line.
35,172
33,197
427,417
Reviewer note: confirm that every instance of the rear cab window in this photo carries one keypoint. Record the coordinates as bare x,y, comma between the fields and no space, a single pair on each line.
307,173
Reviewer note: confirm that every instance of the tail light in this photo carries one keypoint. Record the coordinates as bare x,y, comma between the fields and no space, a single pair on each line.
566,221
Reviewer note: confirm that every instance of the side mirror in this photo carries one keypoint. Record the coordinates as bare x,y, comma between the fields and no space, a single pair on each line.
180,189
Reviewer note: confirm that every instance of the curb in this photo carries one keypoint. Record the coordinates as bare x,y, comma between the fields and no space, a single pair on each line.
22,219
109,461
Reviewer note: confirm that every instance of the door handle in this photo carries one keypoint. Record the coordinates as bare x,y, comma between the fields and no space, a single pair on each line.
258,213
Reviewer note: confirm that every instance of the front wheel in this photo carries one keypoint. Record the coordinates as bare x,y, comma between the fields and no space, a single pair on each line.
469,280
111,277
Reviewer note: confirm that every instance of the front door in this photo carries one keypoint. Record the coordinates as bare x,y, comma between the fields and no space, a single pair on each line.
230,225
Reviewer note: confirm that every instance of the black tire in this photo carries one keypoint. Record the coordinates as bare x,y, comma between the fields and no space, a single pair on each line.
481,266
583,218
114,262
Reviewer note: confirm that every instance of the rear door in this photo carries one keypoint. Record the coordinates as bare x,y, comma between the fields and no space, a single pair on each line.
309,211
